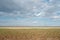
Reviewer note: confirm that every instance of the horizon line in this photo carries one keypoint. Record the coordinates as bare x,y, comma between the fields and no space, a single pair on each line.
29,26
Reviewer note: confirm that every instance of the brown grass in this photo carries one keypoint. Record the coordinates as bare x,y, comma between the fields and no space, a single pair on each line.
29,34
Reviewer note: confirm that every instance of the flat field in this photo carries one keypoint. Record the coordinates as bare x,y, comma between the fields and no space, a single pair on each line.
29,33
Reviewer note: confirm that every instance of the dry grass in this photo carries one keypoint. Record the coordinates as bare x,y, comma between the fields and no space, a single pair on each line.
29,34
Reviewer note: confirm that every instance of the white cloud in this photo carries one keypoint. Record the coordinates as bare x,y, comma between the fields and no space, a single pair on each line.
38,14
56,17
34,22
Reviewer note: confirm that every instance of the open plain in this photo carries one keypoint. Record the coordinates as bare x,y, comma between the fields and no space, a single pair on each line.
29,33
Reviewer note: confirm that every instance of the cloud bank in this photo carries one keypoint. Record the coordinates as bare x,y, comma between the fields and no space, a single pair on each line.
30,8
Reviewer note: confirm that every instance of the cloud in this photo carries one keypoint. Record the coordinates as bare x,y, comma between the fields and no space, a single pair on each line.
24,7
29,8
56,17
20,22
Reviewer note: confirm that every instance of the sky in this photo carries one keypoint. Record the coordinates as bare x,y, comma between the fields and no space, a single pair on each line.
29,12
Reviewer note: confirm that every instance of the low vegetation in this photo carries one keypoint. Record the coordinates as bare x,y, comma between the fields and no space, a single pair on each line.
29,34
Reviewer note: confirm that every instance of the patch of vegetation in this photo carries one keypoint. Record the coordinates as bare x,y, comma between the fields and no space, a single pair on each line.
29,34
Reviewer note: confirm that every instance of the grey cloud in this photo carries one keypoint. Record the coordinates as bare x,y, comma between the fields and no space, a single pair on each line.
29,8
54,11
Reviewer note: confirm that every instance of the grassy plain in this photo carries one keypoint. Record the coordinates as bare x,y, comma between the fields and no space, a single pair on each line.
34,33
